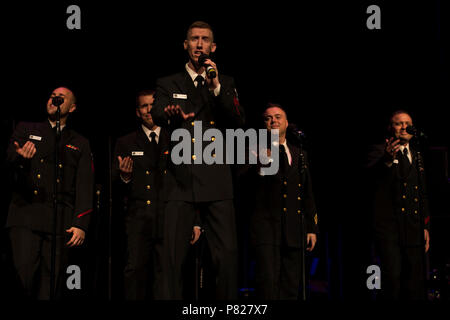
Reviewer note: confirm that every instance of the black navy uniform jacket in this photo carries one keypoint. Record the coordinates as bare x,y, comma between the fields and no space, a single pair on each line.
143,192
400,207
199,182
280,202
33,179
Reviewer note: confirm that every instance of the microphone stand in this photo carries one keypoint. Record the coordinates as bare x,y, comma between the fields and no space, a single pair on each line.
55,204
302,218
110,214
298,139
421,184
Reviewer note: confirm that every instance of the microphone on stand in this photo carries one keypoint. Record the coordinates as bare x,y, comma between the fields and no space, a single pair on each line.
296,133
416,132
57,101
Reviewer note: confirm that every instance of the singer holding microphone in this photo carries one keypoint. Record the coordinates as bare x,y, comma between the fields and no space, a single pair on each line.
199,95
400,211
30,160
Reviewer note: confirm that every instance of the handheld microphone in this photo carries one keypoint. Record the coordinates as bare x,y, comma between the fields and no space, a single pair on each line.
415,132
57,101
210,71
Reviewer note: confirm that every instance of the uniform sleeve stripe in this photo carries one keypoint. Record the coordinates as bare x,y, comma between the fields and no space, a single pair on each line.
84,213
236,105
427,220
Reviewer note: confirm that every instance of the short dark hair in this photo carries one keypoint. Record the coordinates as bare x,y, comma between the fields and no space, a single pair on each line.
145,92
274,105
201,25
396,112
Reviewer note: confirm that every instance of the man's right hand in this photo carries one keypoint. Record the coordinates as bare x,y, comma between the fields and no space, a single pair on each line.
176,111
27,151
125,167
392,147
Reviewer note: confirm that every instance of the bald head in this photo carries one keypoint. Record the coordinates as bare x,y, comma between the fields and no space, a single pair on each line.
67,107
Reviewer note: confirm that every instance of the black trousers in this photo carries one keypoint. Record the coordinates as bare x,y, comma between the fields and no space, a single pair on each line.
402,271
31,253
143,267
218,221
278,272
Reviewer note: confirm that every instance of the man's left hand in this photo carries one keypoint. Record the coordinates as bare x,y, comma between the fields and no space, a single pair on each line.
212,83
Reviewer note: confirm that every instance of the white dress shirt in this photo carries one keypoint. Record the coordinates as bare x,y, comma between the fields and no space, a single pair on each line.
270,159
194,75
402,147
53,124
148,131
287,151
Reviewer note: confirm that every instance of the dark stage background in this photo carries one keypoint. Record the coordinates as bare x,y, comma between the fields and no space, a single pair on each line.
339,80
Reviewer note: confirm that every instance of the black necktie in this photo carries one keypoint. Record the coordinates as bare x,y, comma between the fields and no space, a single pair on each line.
55,131
405,154
404,162
153,142
199,79
284,161
201,88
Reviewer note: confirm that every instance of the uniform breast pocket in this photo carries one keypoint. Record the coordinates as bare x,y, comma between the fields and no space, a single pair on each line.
40,147
179,99
138,158
68,167
142,163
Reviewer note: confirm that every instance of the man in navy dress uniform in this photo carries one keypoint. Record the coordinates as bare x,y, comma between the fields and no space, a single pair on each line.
182,101
30,158
140,161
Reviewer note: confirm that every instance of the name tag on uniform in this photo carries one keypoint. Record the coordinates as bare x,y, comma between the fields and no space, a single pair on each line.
137,153
180,96
35,137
